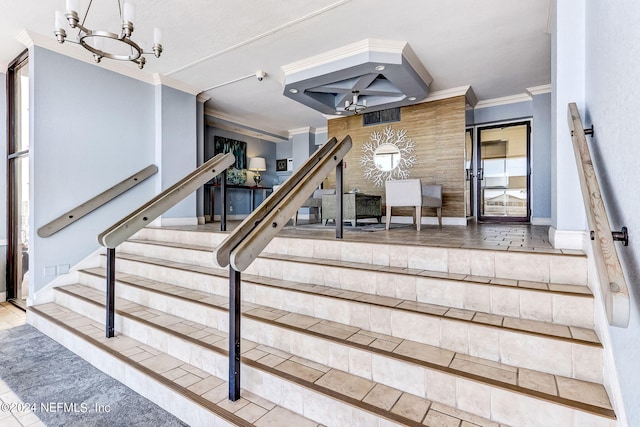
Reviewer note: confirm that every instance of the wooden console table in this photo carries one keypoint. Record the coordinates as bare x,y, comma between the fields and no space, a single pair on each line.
251,188
355,206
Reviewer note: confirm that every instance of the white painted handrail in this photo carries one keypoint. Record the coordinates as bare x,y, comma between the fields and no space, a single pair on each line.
89,206
612,282
145,214
248,240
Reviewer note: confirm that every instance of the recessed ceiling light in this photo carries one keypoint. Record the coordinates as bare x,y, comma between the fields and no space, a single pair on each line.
293,90
380,67
339,113
412,98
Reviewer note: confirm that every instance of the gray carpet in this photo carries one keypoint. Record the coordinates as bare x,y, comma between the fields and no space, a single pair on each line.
41,371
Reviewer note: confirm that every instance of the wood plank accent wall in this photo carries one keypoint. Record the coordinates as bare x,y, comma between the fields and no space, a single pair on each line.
437,128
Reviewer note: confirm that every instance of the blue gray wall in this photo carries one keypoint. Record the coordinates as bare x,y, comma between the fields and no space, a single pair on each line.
612,102
539,111
176,145
91,128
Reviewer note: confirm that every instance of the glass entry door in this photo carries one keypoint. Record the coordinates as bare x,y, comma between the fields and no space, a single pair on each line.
18,182
468,165
503,172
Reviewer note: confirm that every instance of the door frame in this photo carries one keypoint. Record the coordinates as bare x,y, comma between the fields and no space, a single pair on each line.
12,235
478,166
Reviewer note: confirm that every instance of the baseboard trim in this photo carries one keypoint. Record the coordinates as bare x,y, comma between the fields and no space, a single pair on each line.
238,217
428,220
568,239
178,221
3,296
540,221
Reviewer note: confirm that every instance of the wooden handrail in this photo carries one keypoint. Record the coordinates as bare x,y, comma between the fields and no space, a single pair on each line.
295,182
610,275
250,238
141,217
89,206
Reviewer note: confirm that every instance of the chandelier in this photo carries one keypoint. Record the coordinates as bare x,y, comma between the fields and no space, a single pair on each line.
105,44
353,105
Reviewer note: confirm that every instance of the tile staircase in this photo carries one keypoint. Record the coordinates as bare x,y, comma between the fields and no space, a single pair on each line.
342,333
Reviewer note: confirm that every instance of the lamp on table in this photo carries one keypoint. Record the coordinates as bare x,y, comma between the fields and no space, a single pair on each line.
256,165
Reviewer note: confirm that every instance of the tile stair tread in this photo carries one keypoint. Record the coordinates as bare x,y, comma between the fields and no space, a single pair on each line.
495,281
482,370
540,328
195,384
373,396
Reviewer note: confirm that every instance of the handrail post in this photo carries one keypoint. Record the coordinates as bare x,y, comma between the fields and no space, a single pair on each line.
234,333
111,285
339,200
223,201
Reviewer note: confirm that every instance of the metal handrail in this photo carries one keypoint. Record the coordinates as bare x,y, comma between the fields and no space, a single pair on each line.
241,232
250,238
609,270
94,203
145,214
141,217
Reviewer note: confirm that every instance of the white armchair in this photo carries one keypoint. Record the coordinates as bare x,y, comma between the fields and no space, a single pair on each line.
405,192
432,198
410,192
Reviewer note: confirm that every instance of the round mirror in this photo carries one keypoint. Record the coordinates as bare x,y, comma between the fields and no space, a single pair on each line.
387,157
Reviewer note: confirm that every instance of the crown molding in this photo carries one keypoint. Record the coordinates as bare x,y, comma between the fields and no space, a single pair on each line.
466,91
300,131
163,80
539,90
202,97
362,46
512,99
30,39
224,121
323,129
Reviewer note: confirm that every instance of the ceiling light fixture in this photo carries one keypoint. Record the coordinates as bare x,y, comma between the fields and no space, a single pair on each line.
105,44
353,106
293,90
380,68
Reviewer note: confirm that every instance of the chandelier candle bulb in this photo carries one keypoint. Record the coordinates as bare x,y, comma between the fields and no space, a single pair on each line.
157,36
60,20
129,14
72,5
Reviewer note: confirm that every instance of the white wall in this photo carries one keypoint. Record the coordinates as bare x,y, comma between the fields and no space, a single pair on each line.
567,82
612,105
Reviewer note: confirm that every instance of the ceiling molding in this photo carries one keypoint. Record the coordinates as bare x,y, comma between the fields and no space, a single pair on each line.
300,131
539,90
202,98
175,84
224,121
343,52
512,99
30,39
466,91
321,130
383,73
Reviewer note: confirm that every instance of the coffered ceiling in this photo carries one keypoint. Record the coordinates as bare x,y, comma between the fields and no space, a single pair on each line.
499,47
